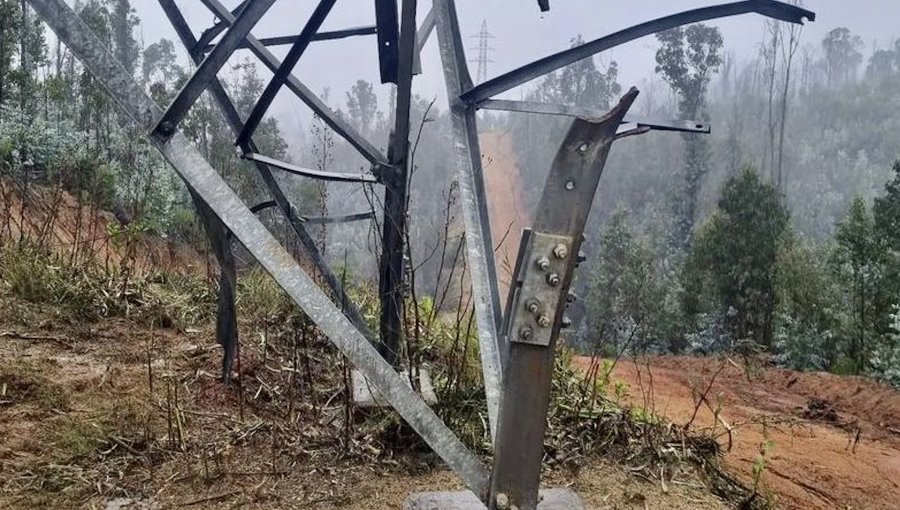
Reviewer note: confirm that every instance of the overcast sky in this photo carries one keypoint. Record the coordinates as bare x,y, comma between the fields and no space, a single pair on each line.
522,34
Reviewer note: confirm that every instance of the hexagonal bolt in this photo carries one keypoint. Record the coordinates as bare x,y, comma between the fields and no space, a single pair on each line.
571,297
525,333
544,321
561,251
553,279
501,501
566,322
533,305
543,263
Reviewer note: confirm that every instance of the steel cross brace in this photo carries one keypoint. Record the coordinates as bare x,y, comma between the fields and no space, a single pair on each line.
320,36
290,61
206,72
338,124
393,174
220,96
237,217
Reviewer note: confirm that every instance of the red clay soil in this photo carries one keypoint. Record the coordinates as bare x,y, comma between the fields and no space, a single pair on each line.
834,441
55,219
509,214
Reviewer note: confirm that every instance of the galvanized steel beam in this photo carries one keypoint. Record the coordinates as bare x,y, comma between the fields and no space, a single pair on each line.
220,96
479,247
287,67
209,185
422,36
208,69
339,125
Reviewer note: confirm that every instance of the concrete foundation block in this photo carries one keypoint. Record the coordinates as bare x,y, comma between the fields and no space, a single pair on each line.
551,499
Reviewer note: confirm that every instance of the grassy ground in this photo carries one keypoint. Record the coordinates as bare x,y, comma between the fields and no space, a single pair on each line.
114,401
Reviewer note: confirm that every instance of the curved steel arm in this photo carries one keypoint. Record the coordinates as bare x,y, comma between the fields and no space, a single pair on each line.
538,68
308,172
320,220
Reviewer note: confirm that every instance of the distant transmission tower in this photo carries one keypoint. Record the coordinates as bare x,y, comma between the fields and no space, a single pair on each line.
484,52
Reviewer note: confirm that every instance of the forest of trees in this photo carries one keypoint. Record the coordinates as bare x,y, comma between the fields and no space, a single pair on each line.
778,233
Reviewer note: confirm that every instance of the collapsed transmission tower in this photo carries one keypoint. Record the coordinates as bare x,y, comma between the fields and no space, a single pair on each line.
516,344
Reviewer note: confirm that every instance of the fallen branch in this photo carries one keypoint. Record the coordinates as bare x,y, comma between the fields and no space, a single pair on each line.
207,499
28,336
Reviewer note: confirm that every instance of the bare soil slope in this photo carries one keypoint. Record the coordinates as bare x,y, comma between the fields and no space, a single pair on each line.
54,218
833,441
509,214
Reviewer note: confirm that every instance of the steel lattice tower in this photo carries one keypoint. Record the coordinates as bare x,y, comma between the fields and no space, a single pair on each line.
484,50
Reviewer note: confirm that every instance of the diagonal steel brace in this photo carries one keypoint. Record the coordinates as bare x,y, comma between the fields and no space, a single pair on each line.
212,189
339,125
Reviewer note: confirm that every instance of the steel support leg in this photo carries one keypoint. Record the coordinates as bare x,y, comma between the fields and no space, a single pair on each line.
545,275
479,247
396,196
226,317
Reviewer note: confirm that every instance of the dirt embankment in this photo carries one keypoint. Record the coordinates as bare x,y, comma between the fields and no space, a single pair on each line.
53,218
824,441
509,214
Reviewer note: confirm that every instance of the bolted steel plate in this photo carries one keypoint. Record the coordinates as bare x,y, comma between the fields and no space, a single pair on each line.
545,268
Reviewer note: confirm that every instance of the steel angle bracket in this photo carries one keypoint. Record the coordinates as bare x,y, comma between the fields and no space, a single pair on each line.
237,217
544,277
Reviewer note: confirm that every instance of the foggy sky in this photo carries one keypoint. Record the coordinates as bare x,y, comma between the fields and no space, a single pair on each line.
522,34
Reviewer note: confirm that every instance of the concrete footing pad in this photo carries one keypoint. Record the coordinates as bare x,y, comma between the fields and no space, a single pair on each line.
364,395
551,499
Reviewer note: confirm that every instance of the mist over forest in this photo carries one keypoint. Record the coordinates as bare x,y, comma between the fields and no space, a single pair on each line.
777,233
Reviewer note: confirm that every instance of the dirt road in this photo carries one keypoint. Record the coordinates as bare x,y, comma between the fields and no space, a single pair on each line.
839,452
